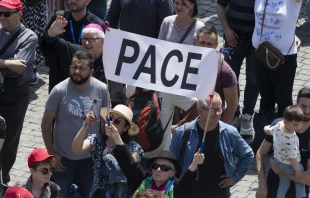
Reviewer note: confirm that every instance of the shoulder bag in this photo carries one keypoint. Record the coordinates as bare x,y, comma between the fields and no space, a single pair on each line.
268,54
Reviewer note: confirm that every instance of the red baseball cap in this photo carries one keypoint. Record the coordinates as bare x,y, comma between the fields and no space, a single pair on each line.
18,192
12,4
38,155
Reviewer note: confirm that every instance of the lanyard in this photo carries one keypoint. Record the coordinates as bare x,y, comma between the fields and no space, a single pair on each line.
72,33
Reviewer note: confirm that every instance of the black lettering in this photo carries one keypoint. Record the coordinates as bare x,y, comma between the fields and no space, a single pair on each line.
164,80
148,70
191,70
124,59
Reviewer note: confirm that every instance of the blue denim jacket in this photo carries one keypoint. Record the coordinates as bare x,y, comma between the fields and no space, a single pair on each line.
231,144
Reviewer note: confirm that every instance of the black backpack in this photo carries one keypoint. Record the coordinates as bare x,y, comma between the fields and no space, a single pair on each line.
146,115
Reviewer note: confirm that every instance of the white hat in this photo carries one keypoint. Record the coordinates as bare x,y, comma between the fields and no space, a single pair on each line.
125,112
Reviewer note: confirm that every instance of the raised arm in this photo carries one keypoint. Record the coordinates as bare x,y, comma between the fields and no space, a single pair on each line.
80,144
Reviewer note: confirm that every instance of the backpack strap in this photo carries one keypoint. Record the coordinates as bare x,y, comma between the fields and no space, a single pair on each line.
185,138
53,190
11,40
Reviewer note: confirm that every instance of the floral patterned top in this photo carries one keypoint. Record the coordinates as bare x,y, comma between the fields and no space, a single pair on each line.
98,146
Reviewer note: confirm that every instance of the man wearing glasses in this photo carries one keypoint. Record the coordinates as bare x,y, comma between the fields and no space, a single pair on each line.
62,51
17,56
226,82
222,144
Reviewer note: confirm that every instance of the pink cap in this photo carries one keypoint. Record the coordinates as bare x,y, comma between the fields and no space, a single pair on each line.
93,25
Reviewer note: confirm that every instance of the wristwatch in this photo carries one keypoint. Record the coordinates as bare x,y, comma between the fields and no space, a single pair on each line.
85,125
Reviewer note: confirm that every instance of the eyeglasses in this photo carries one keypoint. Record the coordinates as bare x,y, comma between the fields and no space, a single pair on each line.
7,14
164,168
45,171
116,121
214,110
91,40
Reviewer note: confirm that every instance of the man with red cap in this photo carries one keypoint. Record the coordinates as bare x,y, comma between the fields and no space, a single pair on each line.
62,52
41,166
17,55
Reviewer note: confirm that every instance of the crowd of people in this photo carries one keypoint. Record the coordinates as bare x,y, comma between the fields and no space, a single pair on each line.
95,146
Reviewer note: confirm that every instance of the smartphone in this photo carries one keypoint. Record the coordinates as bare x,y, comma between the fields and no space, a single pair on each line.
97,103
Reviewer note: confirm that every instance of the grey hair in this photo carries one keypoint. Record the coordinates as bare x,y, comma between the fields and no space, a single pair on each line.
94,30
202,103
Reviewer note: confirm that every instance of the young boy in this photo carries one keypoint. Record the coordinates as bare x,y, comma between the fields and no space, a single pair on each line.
41,166
286,148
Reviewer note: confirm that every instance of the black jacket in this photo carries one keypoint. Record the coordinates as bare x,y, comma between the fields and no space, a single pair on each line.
77,25
135,174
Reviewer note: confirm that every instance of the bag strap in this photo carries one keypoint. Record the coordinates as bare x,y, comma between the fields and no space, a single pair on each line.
168,122
11,40
185,137
188,30
261,30
53,190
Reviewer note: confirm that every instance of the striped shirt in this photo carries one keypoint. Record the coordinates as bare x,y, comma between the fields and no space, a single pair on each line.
240,14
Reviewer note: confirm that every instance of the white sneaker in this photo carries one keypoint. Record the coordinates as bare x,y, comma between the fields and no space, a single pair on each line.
246,128
236,122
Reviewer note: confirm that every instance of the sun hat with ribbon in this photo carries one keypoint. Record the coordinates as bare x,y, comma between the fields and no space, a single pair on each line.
125,112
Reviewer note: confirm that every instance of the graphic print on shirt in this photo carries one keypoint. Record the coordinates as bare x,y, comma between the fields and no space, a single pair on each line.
272,22
80,106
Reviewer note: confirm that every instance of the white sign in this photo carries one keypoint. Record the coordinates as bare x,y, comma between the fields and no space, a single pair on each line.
159,65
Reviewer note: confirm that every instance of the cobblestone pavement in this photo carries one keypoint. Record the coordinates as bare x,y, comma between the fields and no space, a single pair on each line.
32,138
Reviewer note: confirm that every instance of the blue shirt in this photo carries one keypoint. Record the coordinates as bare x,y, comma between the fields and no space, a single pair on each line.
231,144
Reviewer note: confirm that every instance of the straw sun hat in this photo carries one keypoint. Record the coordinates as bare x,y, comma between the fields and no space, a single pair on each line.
124,112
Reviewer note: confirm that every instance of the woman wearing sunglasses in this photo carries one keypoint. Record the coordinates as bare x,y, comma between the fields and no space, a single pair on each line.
102,148
164,170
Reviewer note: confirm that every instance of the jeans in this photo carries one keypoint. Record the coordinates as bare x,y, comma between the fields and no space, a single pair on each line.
285,183
273,184
241,51
276,86
98,11
77,171
14,116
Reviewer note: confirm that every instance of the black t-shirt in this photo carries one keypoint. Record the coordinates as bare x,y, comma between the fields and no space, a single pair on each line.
273,179
212,168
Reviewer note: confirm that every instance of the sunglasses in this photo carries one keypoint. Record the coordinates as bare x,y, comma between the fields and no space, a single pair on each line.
45,171
164,168
7,14
115,121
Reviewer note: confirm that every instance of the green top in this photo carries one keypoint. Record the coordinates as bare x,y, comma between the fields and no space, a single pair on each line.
99,3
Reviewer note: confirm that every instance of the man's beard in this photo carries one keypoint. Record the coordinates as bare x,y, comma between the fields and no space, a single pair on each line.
78,8
81,81
306,119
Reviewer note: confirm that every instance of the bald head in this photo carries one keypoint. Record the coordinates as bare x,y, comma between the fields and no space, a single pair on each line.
204,103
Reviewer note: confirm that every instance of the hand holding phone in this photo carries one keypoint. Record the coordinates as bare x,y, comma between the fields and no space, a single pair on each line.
97,103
